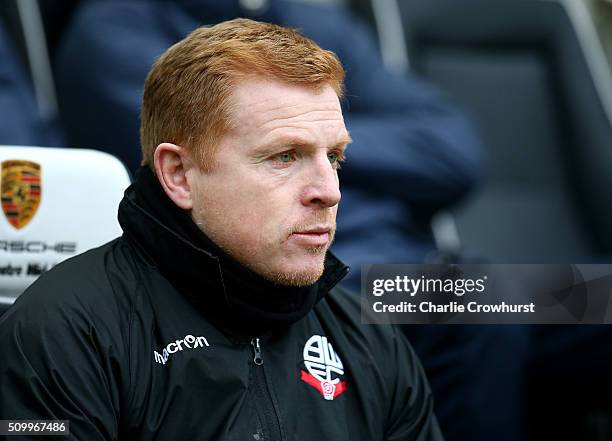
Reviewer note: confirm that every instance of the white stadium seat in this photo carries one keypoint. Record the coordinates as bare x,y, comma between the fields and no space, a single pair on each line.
56,203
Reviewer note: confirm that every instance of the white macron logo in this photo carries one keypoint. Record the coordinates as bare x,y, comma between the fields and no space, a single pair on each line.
189,342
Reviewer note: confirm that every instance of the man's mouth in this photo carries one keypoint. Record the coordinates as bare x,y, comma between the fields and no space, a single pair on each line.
314,236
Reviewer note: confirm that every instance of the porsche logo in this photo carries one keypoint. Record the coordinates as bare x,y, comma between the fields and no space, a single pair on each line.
21,190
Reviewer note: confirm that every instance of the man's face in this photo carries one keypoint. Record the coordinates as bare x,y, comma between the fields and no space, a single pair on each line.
271,199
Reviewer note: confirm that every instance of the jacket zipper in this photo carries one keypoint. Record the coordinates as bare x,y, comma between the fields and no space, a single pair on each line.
270,415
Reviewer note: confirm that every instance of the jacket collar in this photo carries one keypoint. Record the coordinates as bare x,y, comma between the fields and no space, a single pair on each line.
233,297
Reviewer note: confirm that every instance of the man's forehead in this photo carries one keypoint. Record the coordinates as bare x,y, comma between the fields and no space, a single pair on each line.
258,100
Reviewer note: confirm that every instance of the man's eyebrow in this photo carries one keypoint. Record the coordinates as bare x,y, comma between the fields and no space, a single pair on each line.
344,141
293,142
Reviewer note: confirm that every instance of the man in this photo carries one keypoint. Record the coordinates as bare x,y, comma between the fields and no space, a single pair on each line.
413,153
214,316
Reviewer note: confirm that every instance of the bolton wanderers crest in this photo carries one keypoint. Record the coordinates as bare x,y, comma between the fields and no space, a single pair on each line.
324,368
21,190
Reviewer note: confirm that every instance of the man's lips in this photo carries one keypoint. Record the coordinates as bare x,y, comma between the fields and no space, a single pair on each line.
315,236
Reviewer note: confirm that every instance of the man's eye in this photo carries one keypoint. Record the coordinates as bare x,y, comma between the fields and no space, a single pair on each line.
285,157
335,159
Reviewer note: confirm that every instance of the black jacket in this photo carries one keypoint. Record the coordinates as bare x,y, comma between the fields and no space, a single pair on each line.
160,335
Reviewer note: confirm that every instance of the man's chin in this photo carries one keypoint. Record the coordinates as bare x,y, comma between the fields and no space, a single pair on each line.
296,279
301,275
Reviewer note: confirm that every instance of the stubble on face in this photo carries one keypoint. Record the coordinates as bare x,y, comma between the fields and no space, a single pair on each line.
300,277
304,278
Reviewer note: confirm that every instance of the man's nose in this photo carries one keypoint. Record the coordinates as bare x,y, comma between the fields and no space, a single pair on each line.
322,187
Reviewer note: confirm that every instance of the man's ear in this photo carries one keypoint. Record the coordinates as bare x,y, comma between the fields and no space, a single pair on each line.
171,165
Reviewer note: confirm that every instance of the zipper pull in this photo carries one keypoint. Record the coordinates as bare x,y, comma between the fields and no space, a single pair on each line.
257,359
